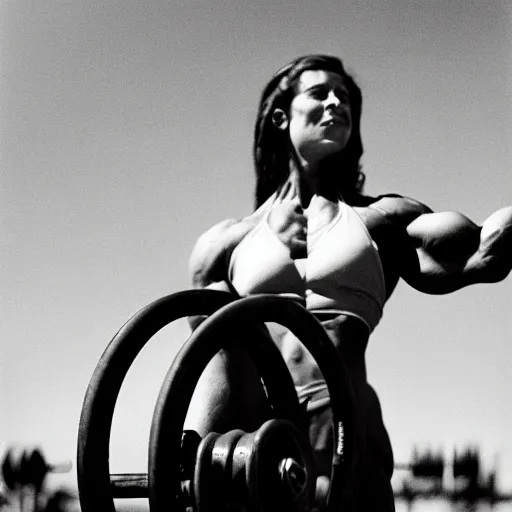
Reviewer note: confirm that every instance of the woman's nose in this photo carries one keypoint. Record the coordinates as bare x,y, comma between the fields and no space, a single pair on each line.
332,101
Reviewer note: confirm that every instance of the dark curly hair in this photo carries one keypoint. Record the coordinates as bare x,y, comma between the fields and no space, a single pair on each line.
271,146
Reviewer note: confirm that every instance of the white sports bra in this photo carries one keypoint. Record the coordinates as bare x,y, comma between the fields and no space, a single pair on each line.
342,272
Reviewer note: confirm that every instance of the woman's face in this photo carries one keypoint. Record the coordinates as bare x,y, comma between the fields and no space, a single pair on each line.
320,121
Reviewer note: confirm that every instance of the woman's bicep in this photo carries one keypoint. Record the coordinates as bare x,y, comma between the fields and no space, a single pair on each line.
445,236
445,244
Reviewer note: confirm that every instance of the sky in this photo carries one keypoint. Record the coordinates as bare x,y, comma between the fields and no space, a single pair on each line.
127,131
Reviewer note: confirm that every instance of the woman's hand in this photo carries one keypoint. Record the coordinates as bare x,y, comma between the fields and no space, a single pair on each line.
288,222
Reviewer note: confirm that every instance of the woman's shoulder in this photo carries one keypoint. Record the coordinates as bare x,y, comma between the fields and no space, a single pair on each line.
210,255
395,207
206,263
213,233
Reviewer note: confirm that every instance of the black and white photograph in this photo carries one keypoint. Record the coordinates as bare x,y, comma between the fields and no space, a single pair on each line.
255,256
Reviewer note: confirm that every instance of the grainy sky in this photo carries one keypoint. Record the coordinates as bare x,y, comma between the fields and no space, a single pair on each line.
127,130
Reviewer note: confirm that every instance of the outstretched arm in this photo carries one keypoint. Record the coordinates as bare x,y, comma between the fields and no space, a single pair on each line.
454,252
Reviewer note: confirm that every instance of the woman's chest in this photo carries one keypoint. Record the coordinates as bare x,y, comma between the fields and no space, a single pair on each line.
337,251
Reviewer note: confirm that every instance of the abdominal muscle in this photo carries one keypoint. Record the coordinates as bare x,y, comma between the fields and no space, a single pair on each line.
350,337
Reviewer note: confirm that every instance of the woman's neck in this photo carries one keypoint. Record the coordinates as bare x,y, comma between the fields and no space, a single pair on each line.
306,181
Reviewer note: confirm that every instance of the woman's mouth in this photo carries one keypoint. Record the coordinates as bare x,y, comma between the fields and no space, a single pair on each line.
334,120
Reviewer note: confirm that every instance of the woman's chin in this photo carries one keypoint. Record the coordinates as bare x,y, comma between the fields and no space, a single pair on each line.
324,149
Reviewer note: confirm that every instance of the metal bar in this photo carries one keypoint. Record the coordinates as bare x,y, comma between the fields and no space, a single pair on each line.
129,485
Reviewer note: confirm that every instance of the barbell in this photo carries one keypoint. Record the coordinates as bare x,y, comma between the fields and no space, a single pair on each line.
270,469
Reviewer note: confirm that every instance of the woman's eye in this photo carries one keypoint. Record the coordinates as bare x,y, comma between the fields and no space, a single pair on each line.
318,94
342,96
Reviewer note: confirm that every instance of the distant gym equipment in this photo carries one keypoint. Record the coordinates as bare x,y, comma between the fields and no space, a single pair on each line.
466,482
24,472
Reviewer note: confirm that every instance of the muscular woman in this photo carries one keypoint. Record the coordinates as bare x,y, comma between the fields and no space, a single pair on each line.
315,237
